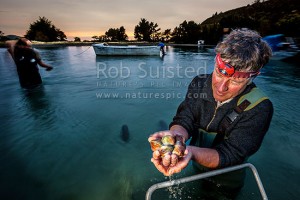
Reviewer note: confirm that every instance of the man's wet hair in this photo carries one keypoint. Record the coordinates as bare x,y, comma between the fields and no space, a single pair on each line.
245,50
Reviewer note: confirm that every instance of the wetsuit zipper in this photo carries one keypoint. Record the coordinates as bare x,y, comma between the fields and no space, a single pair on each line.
216,108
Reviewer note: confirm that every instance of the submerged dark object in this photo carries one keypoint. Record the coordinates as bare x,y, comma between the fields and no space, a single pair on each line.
125,133
162,125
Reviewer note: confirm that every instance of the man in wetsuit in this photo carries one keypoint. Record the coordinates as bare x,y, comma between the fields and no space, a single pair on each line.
27,61
224,113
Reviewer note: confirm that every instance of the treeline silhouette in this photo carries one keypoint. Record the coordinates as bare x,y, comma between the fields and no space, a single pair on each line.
266,17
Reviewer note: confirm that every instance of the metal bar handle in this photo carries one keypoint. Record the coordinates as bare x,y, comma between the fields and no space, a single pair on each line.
209,174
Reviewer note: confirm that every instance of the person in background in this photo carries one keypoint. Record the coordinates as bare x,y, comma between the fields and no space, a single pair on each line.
162,48
27,61
224,113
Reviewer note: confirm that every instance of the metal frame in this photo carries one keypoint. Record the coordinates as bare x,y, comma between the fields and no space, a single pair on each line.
209,174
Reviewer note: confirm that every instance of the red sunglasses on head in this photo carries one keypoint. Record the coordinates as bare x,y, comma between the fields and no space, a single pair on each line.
229,71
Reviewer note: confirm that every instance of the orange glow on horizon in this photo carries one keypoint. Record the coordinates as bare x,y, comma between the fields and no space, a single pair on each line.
89,35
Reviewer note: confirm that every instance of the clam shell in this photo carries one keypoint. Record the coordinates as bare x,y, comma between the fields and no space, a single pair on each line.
166,149
168,140
155,144
179,149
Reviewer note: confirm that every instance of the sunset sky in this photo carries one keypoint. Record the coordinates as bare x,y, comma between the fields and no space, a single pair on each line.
87,18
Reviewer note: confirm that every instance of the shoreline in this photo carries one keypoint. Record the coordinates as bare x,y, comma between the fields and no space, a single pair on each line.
53,44
71,43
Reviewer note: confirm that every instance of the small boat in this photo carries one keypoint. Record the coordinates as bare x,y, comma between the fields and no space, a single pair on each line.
282,47
104,49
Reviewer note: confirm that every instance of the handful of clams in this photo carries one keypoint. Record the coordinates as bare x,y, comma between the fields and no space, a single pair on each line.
169,145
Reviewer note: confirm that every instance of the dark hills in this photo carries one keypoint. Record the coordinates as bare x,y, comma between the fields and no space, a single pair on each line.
267,17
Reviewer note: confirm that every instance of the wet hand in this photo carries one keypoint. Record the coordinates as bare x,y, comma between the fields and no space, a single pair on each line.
165,166
49,68
181,164
168,148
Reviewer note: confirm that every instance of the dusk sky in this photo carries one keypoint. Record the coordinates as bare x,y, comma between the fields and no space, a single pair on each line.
87,18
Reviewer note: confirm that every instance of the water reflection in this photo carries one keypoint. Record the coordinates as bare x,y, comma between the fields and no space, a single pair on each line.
52,54
38,107
62,142
279,72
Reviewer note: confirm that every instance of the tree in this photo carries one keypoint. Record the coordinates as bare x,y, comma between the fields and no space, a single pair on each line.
122,36
187,32
146,31
211,33
166,35
101,38
239,21
1,35
112,35
77,39
289,24
95,38
44,30
117,34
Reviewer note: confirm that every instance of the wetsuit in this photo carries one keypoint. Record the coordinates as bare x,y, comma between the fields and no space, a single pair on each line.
26,60
202,118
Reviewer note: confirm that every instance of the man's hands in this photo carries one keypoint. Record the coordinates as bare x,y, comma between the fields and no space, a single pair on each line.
169,164
170,170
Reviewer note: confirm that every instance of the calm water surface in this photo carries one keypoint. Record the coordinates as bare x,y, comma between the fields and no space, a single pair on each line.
64,141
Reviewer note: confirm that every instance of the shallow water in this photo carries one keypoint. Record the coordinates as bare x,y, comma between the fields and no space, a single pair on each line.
64,140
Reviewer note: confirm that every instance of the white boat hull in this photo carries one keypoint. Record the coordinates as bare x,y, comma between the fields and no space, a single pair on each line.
131,50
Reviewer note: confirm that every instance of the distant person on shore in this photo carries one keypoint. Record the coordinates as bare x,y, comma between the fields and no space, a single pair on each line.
225,115
27,61
162,48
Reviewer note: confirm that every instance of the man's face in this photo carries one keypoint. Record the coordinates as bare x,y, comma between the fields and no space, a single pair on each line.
225,88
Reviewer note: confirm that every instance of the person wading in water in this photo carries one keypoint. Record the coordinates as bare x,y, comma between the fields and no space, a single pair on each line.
27,61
